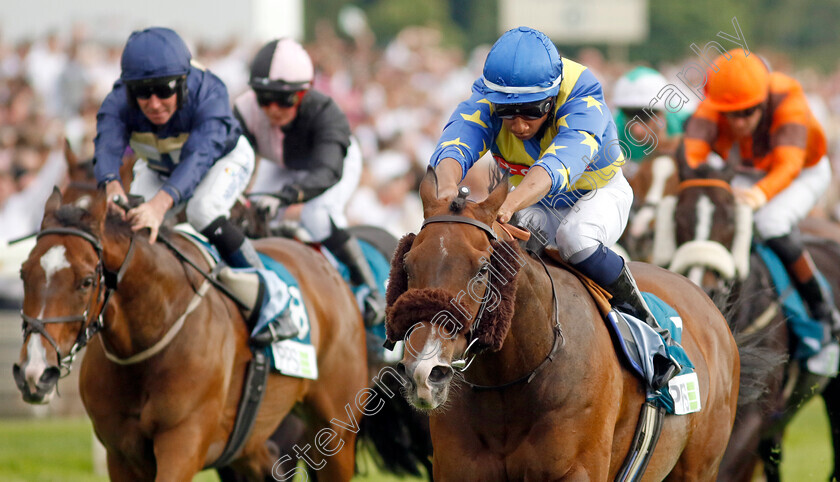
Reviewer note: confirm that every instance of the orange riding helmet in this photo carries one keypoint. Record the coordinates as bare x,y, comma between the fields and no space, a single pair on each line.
743,81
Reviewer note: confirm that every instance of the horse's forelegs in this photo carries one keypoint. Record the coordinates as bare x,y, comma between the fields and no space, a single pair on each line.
178,454
771,454
119,470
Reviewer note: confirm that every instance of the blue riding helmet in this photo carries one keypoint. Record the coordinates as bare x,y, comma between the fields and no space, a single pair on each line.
154,53
523,66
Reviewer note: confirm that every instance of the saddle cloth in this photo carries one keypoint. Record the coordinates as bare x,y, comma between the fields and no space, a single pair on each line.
269,293
809,334
636,343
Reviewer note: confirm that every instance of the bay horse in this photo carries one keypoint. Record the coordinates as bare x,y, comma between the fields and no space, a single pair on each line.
398,449
706,214
163,401
655,179
544,395
81,186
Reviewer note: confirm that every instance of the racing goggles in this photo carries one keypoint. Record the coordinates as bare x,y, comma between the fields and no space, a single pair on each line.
530,111
161,90
283,99
743,112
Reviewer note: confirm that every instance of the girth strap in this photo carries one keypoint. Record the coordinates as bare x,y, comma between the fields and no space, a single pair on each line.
253,390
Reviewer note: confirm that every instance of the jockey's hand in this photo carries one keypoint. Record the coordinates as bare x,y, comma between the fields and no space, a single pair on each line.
504,214
115,189
290,194
753,197
268,205
150,214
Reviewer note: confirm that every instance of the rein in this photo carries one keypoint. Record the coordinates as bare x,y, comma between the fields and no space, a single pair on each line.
467,358
91,319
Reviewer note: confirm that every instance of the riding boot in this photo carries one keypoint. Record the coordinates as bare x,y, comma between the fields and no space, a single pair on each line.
238,252
627,297
348,251
802,269
603,266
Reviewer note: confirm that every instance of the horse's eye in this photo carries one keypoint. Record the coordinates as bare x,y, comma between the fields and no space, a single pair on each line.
87,282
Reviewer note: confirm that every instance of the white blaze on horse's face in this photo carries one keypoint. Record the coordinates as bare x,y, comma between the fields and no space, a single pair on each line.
35,365
705,217
443,251
54,261
428,358
662,170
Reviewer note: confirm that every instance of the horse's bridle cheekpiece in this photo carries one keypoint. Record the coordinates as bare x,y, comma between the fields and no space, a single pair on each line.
91,319
470,353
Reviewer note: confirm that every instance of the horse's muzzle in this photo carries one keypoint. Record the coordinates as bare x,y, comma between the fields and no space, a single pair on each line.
428,387
43,387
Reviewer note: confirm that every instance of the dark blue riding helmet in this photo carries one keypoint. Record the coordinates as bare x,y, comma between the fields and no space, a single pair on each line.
154,53
523,66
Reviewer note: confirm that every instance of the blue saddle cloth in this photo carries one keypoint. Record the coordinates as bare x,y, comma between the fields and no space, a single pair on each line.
381,267
295,357
809,333
638,343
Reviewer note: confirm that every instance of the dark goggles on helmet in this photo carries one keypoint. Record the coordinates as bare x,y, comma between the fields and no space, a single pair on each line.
530,111
283,99
162,89
743,112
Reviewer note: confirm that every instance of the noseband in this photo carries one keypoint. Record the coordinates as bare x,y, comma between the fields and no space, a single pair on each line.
91,319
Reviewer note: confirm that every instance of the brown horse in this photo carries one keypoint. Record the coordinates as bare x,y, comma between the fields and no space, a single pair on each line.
163,401
81,186
706,215
547,398
655,178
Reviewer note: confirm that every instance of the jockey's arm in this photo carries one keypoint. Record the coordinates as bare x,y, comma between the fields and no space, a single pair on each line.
534,186
449,174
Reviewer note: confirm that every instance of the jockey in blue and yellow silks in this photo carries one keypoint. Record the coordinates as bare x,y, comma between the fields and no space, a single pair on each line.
544,118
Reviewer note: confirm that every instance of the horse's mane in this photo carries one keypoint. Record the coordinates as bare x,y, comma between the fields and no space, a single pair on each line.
72,216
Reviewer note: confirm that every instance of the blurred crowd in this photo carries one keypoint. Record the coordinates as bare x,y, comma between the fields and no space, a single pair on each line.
397,99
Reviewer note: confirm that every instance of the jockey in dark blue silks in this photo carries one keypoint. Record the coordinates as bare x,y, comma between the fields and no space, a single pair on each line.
544,120
177,118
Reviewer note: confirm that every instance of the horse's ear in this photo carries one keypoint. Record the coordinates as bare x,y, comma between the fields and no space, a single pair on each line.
53,203
69,155
99,208
487,209
429,192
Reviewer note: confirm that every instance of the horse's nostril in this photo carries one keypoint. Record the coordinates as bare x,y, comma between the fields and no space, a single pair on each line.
401,369
440,373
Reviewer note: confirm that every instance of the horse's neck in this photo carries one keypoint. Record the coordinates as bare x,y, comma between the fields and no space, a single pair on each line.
154,290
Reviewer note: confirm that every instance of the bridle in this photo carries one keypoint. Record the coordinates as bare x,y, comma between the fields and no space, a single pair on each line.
471,352
91,318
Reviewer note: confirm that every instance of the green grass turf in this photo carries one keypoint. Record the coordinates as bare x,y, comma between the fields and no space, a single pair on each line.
59,450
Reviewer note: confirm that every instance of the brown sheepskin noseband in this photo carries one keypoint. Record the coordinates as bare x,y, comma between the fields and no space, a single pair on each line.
407,307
